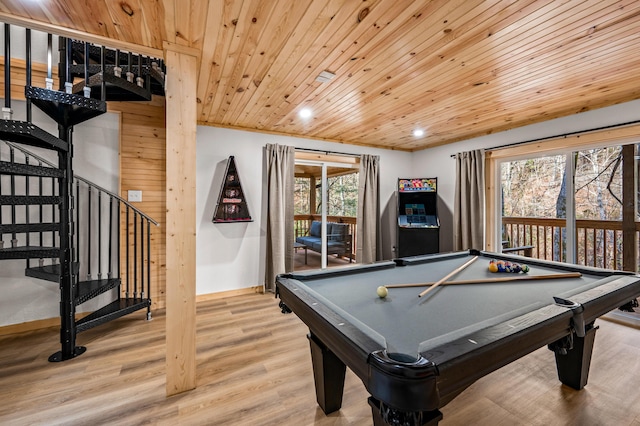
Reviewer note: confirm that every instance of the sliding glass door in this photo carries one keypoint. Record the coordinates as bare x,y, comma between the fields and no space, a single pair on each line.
325,206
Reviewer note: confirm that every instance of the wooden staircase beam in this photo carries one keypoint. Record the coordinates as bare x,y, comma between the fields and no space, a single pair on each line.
80,35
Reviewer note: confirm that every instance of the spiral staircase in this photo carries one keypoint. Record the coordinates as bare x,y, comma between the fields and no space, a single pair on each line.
66,228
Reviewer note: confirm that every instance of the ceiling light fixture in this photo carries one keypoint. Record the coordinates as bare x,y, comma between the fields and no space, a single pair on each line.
418,132
305,113
325,76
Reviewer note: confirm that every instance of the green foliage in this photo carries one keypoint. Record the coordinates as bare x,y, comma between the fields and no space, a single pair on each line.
301,196
342,195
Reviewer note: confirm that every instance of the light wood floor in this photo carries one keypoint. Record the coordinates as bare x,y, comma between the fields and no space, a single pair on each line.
254,369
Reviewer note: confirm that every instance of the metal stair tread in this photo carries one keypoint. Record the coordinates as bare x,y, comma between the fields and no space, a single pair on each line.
23,200
21,169
118,88
30,134
65,108
95,54
48,272
156,82
29,252
87,290
157,78
22,228
110,312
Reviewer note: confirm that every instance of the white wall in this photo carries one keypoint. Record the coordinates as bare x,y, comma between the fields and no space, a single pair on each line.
231,256
437,162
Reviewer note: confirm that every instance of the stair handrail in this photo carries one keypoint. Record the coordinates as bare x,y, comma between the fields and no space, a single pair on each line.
80,178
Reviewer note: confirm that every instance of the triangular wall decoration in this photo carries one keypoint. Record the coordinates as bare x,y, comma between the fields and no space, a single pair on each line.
232,205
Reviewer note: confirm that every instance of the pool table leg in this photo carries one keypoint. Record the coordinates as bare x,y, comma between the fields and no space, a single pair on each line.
328,374
573,367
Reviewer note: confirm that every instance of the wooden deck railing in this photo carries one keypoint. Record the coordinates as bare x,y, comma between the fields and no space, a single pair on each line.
599,242
302,223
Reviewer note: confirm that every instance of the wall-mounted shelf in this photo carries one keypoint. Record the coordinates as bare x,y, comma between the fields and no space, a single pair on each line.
232,205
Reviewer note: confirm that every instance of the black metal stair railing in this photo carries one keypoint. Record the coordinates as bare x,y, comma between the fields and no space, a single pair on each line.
28,238
97,248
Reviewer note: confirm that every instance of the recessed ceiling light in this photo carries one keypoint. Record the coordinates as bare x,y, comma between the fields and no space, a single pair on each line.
418,132
305,113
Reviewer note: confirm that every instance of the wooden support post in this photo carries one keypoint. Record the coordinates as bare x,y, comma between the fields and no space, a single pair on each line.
181,119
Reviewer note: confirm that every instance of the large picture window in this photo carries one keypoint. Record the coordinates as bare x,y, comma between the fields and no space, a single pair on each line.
576,205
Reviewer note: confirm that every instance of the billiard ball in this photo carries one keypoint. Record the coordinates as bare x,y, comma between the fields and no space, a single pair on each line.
493,267
525,269
382,292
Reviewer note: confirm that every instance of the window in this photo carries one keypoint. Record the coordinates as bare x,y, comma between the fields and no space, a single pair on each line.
527,201
341,199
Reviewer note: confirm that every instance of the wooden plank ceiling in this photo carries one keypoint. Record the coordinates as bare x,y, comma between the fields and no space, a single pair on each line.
454,68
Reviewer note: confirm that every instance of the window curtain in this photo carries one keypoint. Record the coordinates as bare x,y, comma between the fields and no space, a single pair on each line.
468,212
368,246
280,233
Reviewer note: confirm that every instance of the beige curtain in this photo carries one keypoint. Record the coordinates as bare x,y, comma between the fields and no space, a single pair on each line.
468,212
368,245
280,161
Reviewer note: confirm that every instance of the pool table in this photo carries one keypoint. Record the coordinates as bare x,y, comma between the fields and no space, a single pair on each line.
415,354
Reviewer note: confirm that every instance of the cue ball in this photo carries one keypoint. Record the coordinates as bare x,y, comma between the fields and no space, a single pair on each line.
382,291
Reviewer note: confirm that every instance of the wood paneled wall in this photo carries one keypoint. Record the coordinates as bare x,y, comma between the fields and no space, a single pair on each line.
143,167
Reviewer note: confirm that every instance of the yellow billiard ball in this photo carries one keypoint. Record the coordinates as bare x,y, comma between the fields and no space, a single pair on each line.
382,292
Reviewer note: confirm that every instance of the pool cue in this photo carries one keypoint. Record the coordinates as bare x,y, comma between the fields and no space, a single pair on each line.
449,275
494,280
